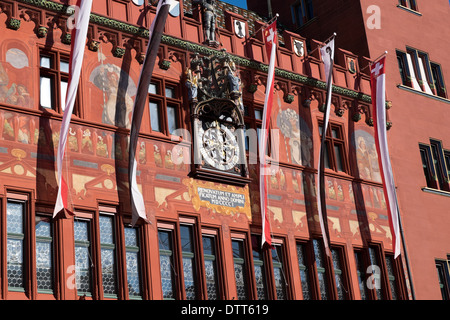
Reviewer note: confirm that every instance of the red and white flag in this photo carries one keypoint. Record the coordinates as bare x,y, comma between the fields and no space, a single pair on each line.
79,35
270,40
379,118
327,53
155,33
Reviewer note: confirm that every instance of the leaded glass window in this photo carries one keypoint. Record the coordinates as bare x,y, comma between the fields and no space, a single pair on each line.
44,254
391,276
240,269
83,261
132,261
360,272
338,274
321,269
166,263
209,253
108,255
375,266
15,212
304,272
188,254
278,272
259,269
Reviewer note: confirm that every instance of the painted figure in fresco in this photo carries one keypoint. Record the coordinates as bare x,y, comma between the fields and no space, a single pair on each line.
4,80
106,77
362,155
300,143
367,157
18,95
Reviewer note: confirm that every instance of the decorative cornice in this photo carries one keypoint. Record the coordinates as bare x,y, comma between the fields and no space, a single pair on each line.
198,48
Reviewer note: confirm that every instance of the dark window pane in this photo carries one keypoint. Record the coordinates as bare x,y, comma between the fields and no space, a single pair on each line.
338,154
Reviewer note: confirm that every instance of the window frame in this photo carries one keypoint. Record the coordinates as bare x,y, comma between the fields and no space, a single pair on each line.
120,251
85,217
436,171
164,102
380,255
254,123
428,165
410,4
56,76
438,79
444,286
50,240
281,244
246,262
405,74
343,272
25,238
134,249
302,12
195,255
178,283
426,82
169,227
115,247
331,143
263,263
308,268
218,258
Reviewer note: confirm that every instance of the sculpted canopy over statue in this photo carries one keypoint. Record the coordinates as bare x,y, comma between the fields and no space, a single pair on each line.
209,20
211,77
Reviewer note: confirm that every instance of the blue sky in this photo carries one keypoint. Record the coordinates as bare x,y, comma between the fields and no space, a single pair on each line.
239,3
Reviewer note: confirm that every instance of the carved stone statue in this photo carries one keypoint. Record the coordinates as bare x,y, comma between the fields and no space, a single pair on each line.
209,20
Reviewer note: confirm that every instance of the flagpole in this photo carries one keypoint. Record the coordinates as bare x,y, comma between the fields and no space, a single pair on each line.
270,21
318,47
374,61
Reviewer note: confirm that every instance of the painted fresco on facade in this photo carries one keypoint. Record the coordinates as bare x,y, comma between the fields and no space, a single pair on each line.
297,137
366,156
14,86
116,90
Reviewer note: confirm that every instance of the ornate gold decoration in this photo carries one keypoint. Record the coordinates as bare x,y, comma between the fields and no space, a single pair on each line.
194,184
109,169
18,153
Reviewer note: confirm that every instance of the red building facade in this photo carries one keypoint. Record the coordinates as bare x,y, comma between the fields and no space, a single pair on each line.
416,73
203,239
